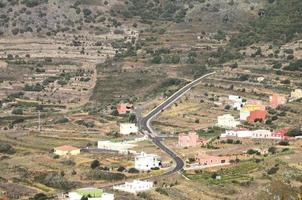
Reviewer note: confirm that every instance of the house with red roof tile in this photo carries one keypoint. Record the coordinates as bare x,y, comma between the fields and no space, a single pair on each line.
281,134
123,108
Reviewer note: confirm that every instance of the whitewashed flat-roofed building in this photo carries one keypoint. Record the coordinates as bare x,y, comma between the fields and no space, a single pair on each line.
127,128
256,134
296,94
262,134
227,121
135,186
115,146
91,194
244,115
237,101
146,162
240,133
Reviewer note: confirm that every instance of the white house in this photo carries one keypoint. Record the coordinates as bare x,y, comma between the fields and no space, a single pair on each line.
145,161
237,101
121,147
127,128
91,193
244,133
227,121
240,133
262,134
135,186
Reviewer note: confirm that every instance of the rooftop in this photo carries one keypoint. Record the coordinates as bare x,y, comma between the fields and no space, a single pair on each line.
66,148
93,192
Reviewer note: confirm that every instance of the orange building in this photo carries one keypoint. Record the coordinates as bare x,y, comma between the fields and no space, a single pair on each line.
257,115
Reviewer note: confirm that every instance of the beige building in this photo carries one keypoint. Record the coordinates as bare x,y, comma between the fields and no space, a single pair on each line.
66,150
127,128
296,94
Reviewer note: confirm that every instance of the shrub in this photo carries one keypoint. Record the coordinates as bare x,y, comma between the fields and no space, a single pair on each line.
227,107
284,143
33,3
62,120
244,77
6,148
272,150
40,196
251,151
133,170
105,175
273,170
55,180
17,111
94,164
86,12
121,169
156,60
294,132
162,191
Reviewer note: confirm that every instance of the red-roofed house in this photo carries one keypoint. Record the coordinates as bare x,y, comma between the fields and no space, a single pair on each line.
212,161
124,108
277,99
257,115
281,134
66,150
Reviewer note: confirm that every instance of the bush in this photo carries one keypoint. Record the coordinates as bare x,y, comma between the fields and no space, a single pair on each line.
133,170
162,191
156,60
273,170
95,164
252,151
17,111
62,120
105,175
121,169
244,77
34,88
87,12
6,148
272,150
294,66
294,132
40,196
284,143
55,180
33,3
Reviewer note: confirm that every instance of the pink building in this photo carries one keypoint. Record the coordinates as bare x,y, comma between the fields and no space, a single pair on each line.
277,99
124,108
207,160
190,140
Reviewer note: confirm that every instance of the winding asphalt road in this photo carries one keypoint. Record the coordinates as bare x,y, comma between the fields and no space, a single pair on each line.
145,122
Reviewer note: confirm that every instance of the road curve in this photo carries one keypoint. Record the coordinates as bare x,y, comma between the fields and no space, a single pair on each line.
147,129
